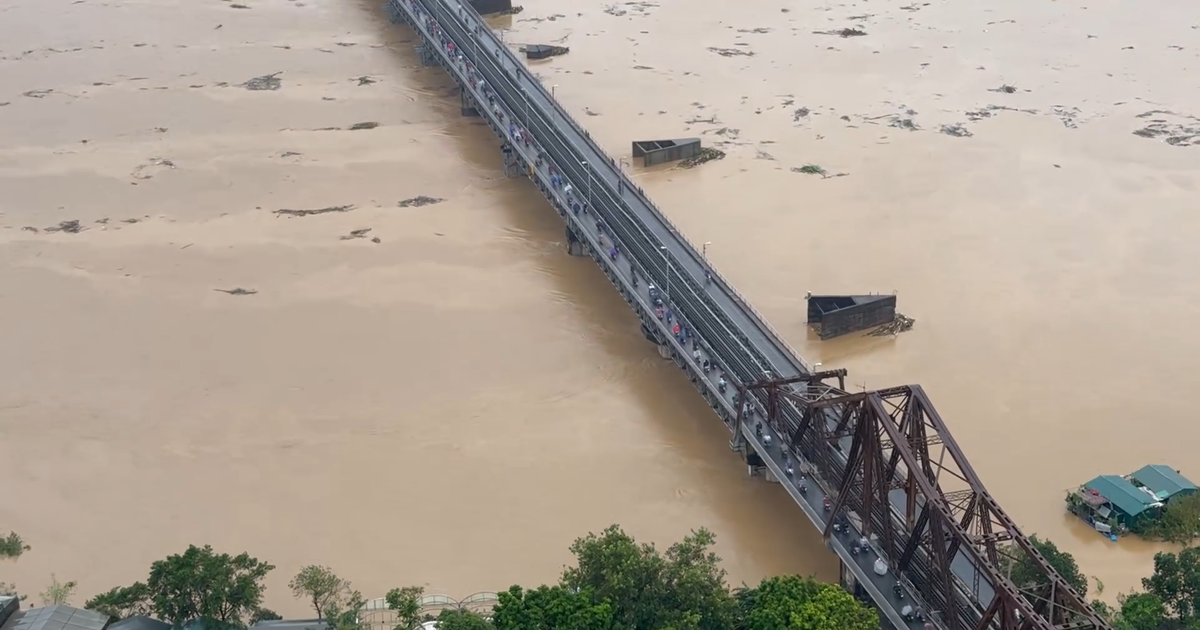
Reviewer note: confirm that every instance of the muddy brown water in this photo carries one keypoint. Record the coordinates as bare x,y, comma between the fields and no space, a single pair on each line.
453,405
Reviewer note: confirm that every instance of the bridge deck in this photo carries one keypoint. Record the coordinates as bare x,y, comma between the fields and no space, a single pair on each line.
726,330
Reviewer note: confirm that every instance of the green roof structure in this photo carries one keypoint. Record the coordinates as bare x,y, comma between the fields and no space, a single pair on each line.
1164,481
1121,494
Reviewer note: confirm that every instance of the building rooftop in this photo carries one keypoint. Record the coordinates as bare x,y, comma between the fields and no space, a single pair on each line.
291,624
59,617
1164,481
1121,494
140,622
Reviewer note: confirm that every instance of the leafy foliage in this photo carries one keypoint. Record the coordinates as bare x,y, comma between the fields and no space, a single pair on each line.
122,601
407,604
1176,583
342,613
221,589
458,619
682,589
264,614
1180,521
794,603
58,592
1026,574
320,587
12,546
550,608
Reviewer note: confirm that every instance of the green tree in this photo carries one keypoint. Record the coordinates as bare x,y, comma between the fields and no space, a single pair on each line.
321,587
1028,575
342,613
459,619
203,584
264,614
791,602
1141,611
122,602
58,592
406,602
11,548
1176,582
1180,522
683,589
550,608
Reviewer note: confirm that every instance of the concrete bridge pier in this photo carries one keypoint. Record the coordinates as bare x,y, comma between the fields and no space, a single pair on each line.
575,247
467,103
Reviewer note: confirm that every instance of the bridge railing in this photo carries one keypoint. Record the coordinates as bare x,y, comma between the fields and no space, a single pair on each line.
693,250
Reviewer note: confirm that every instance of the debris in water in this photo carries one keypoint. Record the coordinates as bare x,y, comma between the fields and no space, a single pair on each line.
306,213
238,6
979,114
238,291
843,32
1174,134
265,82
364,80
901,324
29,228
705,155
417,202
70,227
801,112
810,169
356,234
731,52
513,11
1005,89
763,155
904,123
37,93
363,125
958,131
130,220
376,240
141,171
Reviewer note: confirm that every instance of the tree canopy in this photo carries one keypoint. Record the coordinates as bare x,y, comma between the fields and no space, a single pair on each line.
12,546
1028,575
683,589
551,608
791,602
320,587
1176,583
199,584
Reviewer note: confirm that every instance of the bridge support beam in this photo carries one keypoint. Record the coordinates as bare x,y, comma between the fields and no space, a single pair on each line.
467,104
575,247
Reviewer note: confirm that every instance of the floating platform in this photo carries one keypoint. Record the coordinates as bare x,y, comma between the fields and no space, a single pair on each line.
836,315
544,51
661,151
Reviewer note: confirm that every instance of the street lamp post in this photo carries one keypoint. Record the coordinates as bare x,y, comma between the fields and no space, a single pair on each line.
552,90
704,250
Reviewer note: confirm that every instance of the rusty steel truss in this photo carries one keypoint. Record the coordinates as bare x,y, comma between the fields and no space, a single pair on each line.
893,470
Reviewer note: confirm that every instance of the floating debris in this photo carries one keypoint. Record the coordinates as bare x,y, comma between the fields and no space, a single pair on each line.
141,172
417,202
70,227
376,240
238,6
364,80
801,112
979,114
731,52
613,9
308,213
37,93
904,123
29,228
901,324
265,82
362,233
1004,89
759,154
238,291
958,131
757,31
809,169
843,32
1174,134
705,155
130,220
363,125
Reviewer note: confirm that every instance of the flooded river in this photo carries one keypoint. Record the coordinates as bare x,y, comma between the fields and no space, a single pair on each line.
451,405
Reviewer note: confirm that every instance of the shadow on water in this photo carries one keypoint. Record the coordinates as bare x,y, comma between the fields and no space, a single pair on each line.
761,518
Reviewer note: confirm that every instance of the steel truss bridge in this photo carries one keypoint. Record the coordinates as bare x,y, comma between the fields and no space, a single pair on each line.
878,473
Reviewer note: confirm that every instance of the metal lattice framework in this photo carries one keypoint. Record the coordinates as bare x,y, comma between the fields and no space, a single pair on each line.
892,469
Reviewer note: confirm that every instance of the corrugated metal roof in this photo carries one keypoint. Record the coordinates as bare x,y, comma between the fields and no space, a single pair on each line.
1121,493
59,617
1160,479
